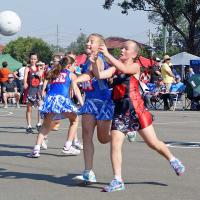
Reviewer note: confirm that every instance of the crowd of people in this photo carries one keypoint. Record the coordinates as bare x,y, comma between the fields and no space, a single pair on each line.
162,81
112,103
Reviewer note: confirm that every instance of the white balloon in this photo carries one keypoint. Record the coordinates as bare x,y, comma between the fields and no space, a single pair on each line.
10,23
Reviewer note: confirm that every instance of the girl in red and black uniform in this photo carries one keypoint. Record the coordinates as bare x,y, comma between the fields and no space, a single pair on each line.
130,112
32,79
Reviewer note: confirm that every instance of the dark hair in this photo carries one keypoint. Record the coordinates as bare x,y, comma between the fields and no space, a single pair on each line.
70,52
55,72
33,54
4,64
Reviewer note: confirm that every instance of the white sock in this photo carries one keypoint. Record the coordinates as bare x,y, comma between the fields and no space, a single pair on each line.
68,144
29,126
119,178
39,124
75,140
37,147
172,159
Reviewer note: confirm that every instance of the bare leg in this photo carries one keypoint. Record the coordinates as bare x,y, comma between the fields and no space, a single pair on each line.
28,114
103,131
39,118
73,119
116,151
5,98
45,129
149,136
88,126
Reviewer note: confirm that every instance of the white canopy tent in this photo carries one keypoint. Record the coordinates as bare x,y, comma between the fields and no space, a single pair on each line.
183,58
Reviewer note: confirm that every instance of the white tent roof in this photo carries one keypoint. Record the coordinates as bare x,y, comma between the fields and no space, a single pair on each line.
183,58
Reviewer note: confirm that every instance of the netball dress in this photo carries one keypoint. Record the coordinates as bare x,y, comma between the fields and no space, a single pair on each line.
97,96
130,112
33,92
58,100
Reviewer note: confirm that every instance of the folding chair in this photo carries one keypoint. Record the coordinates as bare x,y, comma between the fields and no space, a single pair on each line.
156,102
178,99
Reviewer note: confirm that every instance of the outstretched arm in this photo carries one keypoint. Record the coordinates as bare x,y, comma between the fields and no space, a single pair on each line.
83,77
129,68
98,68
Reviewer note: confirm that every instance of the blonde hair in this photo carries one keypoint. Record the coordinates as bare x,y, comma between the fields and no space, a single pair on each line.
100,37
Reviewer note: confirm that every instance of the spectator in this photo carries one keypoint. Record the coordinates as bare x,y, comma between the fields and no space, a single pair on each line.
188,72
10,91
168,76
145,76
19,76
156,70
177,87
4,71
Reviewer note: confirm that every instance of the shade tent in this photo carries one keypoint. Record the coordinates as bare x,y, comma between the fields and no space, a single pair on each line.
12,63
183,58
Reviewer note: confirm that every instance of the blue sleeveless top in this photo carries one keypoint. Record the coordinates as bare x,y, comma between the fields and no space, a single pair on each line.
61,85
96,89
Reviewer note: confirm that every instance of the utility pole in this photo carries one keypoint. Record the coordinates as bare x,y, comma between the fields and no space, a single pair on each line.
57,39
149,35
164,38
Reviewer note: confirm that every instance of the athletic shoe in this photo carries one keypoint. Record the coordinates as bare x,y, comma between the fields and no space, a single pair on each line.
29,130
34,154
44,144
178,167
88,177
132,136
115,185
77,145
38,127
17,105
71,151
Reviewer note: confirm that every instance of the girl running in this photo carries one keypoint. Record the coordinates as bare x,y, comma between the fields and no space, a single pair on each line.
130,113
58,105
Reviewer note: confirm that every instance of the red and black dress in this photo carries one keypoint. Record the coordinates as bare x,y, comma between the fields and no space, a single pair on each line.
33,92
130,112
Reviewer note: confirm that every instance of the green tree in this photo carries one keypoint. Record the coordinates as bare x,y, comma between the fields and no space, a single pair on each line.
170,13
22,47
79,45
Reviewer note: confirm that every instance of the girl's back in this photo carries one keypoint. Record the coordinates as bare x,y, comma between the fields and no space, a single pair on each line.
61,85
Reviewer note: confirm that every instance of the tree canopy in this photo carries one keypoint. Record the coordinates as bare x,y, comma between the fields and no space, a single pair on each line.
22,47
170,12
79,45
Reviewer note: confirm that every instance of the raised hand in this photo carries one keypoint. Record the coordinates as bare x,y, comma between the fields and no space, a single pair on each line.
93,57
103,49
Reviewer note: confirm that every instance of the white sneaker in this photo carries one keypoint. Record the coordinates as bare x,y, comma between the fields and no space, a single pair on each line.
77,145
34,154
44,144
86,177
71,151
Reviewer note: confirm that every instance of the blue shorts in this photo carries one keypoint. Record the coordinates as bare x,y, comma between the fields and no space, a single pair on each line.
102,110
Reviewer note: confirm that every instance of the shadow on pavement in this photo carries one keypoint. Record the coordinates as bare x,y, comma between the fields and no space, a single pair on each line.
63,180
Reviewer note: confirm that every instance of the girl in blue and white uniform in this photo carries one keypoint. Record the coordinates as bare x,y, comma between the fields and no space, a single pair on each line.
58,105
97,110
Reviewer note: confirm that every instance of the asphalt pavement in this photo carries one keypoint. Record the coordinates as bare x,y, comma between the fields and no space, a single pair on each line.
147,175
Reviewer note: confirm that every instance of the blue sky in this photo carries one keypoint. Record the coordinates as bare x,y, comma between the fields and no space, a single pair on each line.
40,18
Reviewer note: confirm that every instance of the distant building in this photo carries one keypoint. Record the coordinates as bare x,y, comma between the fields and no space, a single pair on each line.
117,42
